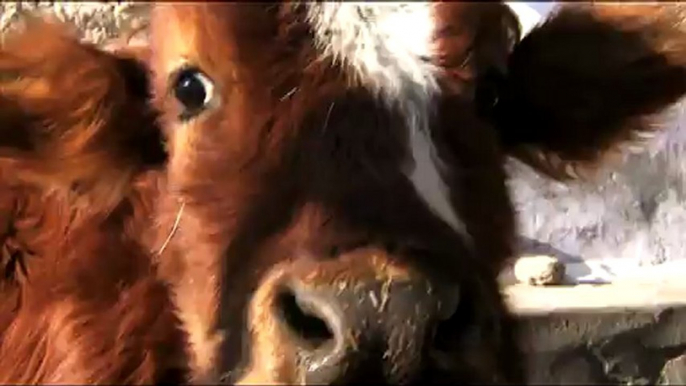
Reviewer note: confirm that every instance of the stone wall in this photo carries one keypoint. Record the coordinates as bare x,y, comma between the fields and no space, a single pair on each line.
620,334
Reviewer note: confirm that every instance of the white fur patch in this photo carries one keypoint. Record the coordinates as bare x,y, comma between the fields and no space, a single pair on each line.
388,45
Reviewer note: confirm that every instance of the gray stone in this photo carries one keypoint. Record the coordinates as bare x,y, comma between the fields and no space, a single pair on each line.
539,270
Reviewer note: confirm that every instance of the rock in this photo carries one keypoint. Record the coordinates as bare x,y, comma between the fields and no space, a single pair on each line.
573,366
539,270
674,372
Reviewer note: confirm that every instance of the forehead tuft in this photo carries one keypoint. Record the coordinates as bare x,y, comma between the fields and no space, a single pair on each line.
388,45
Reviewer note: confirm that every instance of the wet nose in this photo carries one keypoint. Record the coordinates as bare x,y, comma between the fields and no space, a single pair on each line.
375,331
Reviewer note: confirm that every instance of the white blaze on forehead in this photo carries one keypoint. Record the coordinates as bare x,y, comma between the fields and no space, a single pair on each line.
388,46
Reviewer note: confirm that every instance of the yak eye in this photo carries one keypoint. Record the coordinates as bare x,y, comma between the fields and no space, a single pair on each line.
194,90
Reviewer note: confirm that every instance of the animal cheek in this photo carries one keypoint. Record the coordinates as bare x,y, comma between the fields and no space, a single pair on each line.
185,138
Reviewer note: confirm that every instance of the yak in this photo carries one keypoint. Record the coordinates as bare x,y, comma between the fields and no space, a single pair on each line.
299,192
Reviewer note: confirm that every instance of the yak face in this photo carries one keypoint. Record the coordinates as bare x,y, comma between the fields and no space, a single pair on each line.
336,207
317,239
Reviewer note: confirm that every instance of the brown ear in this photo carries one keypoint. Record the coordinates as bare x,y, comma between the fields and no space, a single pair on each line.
589,78
73,116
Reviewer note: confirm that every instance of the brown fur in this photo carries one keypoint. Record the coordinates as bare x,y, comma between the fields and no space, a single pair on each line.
277,179
66,122
80,300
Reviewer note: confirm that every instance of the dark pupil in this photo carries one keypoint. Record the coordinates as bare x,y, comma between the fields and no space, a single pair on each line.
190,91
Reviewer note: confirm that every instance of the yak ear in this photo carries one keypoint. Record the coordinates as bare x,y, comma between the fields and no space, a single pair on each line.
589,78
73,116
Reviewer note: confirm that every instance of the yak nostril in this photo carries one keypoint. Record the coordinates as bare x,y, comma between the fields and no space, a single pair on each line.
451,332
309,328
448,323
439,335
